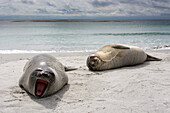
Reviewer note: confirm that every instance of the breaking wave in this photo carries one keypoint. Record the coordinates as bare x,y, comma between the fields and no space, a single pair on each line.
34,51
133,34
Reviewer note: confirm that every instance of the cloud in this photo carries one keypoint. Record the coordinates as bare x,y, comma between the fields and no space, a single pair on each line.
86,7
51,4
70,11
165,14
42,11
162,7
161,1
97,3
27,2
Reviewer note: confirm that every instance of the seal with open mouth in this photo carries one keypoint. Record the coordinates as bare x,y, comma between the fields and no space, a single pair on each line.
43,75
116,55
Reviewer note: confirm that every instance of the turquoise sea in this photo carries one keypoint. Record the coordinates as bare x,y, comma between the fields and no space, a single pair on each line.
30,37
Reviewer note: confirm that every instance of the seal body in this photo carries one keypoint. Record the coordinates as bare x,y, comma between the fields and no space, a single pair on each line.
43,75
115,56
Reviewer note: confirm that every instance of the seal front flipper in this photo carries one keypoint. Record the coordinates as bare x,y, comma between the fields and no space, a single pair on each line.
69,68
151,58
120,47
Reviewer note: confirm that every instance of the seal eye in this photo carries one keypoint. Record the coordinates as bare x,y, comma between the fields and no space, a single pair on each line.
52,74
95,60
36,73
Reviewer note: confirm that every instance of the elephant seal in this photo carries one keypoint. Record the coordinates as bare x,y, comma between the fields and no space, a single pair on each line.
43,75
116,55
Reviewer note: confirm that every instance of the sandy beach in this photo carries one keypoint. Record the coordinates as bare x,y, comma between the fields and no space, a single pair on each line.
143,88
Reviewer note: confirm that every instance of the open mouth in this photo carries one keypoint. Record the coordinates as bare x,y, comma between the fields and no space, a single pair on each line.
40,87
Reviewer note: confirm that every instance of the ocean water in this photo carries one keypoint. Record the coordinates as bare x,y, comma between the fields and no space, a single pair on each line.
33,37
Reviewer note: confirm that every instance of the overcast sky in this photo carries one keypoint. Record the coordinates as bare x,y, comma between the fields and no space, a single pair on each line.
86,7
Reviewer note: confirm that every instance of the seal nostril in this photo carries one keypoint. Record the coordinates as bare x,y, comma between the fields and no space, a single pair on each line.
45,75
38,75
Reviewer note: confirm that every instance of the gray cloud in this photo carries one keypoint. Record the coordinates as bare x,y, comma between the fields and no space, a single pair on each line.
161,7
165,14
92,12
51,4
128,1
97,3
161,0
140,3
68,10
42,11
86,7
27,2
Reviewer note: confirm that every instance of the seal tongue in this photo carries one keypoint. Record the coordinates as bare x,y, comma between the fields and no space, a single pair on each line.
40,87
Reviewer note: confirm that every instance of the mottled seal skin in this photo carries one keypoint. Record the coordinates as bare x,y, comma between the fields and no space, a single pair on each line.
43,75
116,55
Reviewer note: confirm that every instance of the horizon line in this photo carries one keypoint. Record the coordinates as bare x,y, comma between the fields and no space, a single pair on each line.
86,20
45,17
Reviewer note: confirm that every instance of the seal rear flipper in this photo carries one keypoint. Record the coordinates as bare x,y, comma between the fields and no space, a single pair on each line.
21,86
69,68
120,47
151,58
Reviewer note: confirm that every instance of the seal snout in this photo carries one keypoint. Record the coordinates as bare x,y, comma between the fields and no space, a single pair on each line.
43,73
93,63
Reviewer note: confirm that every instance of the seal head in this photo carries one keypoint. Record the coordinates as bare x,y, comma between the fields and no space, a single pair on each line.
43,76
93,62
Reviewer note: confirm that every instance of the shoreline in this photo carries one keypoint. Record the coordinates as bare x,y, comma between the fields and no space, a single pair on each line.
17,51
4,58
7,57
82,20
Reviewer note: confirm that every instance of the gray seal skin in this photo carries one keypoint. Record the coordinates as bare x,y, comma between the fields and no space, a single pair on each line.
43,75
116,55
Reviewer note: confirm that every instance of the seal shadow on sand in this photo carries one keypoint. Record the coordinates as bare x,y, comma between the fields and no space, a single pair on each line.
51,101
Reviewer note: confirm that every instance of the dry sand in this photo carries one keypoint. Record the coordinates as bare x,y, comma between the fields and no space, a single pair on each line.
143,88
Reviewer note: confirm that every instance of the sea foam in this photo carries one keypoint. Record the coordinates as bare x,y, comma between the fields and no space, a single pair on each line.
23,51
